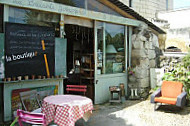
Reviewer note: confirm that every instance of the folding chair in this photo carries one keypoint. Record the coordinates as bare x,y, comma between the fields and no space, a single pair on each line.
29,117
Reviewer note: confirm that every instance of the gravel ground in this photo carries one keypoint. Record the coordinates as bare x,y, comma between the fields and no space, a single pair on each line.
137,113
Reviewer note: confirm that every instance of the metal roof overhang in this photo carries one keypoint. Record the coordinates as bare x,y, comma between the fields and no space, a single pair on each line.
130,11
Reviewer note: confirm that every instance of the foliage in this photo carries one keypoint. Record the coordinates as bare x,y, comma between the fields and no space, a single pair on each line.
117,40
131,71
181,73
156,88
186,60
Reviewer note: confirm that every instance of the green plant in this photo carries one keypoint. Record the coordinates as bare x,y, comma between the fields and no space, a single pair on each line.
156,88
181,73
186,60
131,71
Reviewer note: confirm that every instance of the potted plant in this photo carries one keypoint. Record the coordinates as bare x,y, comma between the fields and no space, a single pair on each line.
33,77
19,78
26,77
39,77
131,74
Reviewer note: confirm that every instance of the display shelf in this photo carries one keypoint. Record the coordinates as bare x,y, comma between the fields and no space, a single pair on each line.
87,77
7,82
87,73
87,69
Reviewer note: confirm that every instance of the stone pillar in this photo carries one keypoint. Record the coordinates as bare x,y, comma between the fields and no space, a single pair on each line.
143,57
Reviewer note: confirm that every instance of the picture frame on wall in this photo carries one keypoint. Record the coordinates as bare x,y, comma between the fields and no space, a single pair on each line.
117,67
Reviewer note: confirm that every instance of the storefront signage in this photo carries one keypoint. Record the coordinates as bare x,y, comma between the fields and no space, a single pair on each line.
24,51
68,10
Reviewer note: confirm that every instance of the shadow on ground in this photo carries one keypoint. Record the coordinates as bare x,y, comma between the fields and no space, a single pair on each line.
137,113
105,115
174,109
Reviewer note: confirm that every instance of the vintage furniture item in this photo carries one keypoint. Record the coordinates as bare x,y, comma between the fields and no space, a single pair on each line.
87,73
30,102
65,110
170,93
76,88
117,90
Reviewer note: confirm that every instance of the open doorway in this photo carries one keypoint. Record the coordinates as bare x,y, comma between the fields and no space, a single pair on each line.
80,57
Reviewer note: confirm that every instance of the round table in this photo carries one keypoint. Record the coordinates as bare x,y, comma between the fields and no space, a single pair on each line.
65,110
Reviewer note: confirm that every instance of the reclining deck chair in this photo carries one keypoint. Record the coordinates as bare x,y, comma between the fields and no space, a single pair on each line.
170,93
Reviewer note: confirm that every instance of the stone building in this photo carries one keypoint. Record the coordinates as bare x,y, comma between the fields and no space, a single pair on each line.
148,8
178,29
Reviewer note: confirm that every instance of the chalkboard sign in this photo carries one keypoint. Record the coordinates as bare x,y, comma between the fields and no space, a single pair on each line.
29,50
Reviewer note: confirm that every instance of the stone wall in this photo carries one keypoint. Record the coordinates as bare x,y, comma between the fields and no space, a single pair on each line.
170,59
145,49
167,63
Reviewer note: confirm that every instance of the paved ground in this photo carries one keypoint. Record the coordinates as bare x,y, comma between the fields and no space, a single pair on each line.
137,113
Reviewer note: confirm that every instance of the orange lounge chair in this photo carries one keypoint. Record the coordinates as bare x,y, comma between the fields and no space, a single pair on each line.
170,93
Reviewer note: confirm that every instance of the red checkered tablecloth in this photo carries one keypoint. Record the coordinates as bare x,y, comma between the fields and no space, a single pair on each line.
65,110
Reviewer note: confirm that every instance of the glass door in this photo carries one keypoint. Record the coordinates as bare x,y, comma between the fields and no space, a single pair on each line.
110,48
110,58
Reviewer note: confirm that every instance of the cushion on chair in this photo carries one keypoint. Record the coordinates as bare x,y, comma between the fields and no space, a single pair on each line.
166,100
171,89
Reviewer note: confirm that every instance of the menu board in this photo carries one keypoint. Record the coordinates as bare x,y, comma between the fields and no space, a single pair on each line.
29,50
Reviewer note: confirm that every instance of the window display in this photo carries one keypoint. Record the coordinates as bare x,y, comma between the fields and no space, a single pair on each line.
111,51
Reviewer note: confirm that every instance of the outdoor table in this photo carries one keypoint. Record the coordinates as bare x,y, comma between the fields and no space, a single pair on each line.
65,110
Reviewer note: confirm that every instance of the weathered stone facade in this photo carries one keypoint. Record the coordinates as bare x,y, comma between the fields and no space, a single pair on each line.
169,61
144,45
177,33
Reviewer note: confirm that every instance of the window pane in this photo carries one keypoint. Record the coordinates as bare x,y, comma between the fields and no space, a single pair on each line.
1,18
100,48
74,3
95,5
115,51
25,16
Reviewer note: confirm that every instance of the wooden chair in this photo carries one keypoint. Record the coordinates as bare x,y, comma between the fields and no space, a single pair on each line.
76,88
170,93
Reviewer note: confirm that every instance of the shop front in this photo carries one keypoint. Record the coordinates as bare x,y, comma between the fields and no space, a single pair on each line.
89,42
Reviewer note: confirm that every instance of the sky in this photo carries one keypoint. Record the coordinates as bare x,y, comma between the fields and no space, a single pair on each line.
181,3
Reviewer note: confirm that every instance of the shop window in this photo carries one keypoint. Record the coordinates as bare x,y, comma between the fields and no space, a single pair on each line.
114,37
111,51
74,3
1,18
95,5
26,16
